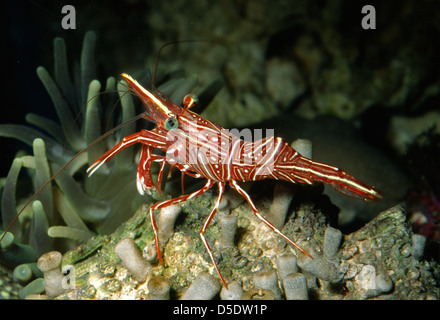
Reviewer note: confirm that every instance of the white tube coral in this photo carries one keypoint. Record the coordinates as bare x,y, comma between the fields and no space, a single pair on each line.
286,265
167,219
282,196
132,259
50,264
228,224
159,288
303,146
267,280
258,294
204,287
233,292
418,246
370,284
318,266
149,253
295,287
332,241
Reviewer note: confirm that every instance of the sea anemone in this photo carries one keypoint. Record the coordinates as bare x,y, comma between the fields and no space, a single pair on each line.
74,207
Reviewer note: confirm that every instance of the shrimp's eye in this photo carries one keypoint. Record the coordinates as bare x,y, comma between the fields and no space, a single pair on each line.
171,123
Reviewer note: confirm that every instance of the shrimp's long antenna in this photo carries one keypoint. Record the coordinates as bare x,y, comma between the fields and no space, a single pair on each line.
153,79
105,135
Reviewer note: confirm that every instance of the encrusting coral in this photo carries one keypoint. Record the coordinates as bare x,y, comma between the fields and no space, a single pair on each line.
375,262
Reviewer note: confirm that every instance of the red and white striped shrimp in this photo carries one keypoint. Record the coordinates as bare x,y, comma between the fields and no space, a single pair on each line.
202,149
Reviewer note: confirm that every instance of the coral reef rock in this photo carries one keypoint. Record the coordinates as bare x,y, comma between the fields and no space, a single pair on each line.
375,262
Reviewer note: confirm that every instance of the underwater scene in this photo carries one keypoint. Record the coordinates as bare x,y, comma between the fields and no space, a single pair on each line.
220,150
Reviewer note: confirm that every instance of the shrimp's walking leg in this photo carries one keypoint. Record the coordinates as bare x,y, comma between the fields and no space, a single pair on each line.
221,188
235,185
170,202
